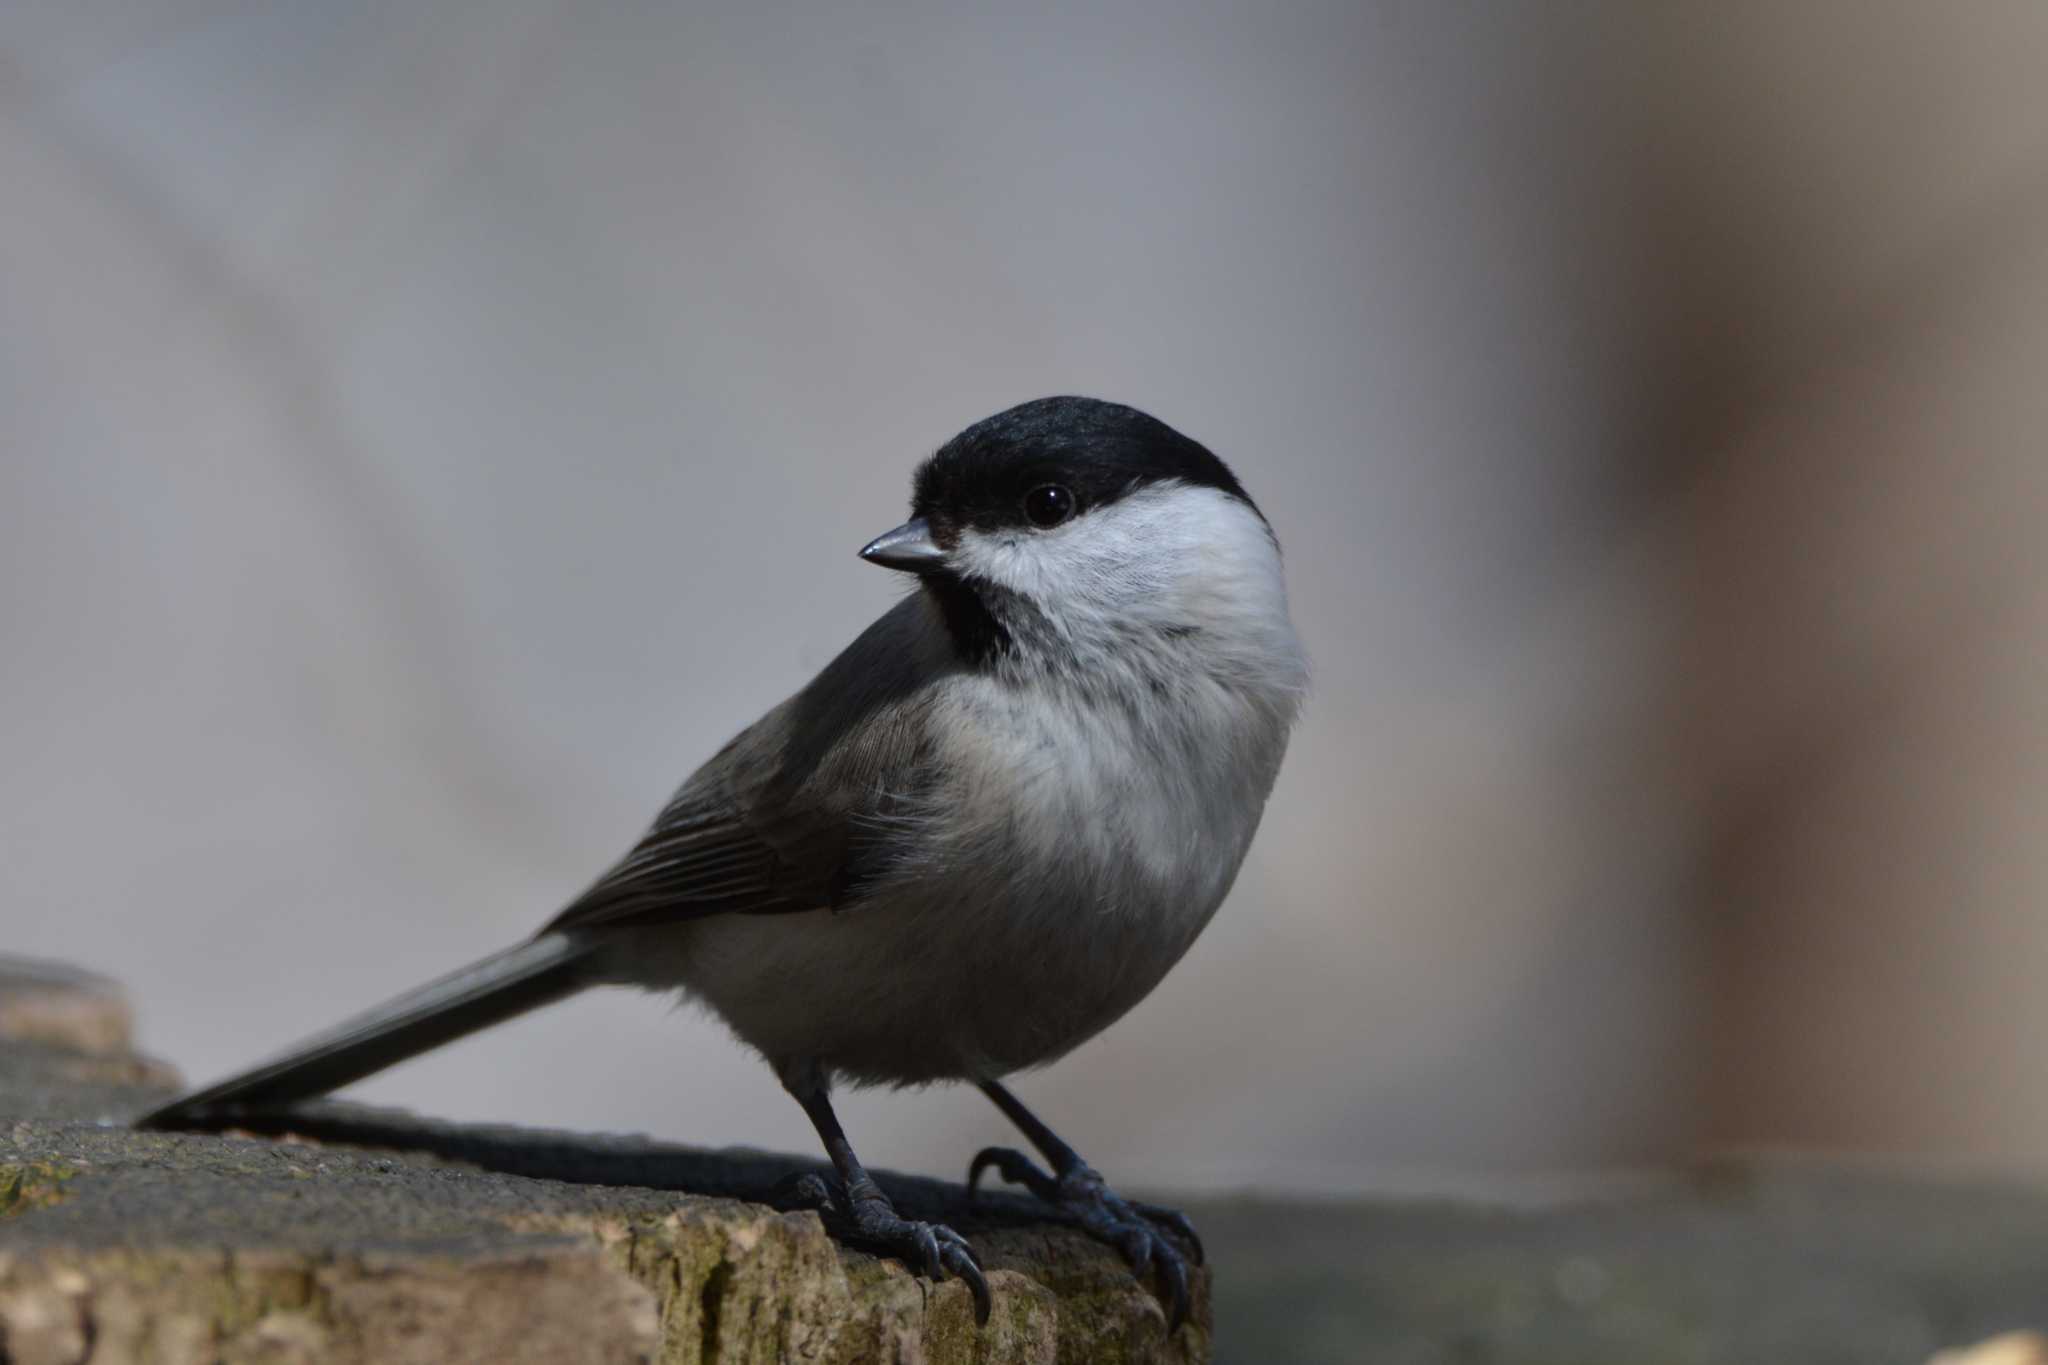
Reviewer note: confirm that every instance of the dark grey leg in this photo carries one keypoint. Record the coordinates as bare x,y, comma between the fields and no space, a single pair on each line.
1131,1227
866,1216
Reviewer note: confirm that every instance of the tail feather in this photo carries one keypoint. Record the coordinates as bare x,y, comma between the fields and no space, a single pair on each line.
535,973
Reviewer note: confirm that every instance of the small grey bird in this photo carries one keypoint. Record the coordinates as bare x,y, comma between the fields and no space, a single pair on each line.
979,836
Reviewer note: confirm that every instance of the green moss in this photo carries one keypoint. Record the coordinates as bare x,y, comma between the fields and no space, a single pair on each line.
31,1185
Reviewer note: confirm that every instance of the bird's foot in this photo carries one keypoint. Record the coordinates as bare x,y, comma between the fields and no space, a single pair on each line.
863,1216
1146,1234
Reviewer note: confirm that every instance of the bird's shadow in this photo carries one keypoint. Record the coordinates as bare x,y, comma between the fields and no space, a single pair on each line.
738,1173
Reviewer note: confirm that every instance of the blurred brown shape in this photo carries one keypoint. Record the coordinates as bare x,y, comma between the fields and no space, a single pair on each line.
48,1002
1858,215
2014,1348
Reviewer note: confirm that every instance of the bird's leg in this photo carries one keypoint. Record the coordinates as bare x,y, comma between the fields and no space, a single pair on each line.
1136,1229
865,1216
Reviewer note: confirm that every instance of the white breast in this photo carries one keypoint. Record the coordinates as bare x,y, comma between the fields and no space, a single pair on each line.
1097,808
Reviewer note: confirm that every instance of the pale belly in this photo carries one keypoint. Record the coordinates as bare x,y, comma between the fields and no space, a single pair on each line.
1040,908
927,985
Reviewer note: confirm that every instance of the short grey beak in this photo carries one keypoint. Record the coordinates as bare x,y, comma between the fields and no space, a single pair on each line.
909,547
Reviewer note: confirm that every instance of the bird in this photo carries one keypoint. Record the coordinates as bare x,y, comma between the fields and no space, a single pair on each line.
978,837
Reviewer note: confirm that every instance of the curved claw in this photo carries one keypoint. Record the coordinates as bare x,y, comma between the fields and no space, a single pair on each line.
1144,1233
1176,1222
928,1252
983,1159
1014,1167
1136,1245
959,1258
865,1216
1176,1273
941,1251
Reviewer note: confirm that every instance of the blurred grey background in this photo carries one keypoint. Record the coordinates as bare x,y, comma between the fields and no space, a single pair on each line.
426,432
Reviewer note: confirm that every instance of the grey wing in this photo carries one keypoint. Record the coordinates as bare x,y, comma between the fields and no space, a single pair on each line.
712,851
803,810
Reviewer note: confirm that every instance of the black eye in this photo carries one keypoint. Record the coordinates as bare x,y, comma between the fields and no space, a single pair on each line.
1047,505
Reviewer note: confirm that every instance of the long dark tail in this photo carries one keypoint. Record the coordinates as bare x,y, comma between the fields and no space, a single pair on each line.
535,973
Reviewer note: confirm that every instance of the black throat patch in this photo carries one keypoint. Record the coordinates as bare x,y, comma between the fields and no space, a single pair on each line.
978,636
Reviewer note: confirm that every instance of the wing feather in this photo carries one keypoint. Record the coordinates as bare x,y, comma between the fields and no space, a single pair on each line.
804,808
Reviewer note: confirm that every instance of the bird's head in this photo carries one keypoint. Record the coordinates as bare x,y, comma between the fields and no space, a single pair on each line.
1066,527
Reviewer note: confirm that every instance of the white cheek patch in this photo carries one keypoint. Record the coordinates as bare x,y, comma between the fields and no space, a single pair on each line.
1098,559
1170,553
